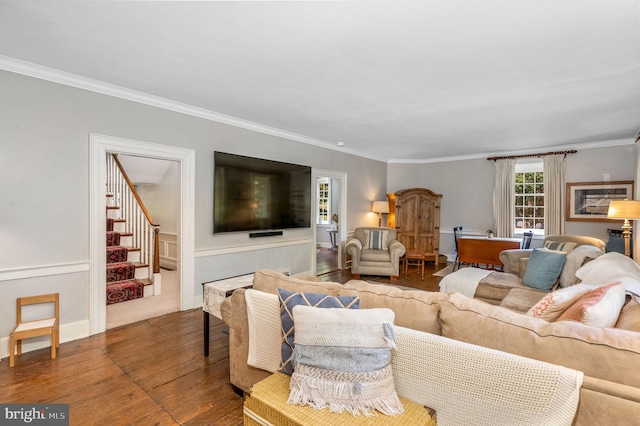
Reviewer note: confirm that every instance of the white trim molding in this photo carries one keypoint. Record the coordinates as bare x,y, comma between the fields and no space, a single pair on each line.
43,271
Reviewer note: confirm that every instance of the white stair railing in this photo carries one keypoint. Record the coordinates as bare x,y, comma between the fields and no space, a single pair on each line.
132,210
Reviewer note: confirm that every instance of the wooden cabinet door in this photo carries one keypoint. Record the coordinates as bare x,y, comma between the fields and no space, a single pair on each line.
426,225
406,223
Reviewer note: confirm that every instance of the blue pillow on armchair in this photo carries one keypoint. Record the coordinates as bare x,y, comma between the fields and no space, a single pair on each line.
543,269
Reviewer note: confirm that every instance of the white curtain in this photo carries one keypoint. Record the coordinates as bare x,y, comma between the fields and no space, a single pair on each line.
554,188
636,196
503,196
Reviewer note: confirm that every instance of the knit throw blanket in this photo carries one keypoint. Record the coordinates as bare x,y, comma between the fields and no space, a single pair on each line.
473,385
463,281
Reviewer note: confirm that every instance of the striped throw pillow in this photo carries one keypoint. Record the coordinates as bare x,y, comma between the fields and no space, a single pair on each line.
565,247
376,240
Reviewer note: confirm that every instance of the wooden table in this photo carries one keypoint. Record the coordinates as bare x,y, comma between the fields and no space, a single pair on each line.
416,257
484,250
213,294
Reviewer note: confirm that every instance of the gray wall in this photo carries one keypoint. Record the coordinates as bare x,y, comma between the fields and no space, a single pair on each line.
44,183
467,188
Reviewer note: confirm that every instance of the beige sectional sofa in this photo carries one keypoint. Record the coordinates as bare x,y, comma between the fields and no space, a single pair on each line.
608,357
506,288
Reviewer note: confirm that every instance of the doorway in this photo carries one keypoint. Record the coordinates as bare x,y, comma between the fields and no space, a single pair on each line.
99,146
329,236
157,184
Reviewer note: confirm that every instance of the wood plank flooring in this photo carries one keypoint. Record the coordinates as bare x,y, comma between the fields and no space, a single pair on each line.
148,373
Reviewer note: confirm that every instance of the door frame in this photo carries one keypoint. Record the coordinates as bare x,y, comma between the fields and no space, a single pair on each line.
341,177
99,146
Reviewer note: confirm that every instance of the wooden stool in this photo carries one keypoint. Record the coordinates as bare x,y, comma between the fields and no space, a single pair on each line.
35,328
415,257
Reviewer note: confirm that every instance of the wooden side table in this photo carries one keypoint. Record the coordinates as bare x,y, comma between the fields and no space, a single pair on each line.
415,257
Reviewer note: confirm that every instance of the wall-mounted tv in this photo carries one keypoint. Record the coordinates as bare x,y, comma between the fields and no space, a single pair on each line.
253,194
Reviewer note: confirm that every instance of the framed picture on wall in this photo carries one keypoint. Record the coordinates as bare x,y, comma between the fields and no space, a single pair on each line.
589,201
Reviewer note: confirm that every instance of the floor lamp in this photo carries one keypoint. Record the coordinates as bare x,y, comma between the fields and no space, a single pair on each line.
380,207
627,210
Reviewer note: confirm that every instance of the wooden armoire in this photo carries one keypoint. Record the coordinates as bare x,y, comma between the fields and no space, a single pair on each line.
415,214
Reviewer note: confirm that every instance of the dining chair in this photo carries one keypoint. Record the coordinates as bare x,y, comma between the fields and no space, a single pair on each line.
526,239
457,233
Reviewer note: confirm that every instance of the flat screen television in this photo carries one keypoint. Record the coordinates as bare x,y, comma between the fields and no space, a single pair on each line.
253,194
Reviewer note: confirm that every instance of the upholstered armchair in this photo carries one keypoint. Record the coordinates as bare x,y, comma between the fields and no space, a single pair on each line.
375,251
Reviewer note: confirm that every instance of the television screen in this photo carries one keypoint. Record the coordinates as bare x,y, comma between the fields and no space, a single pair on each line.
252,194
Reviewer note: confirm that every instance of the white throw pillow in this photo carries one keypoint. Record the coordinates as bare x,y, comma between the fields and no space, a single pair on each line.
554,304
265,335
599,307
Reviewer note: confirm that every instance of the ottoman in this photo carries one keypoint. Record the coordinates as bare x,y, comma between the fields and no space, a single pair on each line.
267,405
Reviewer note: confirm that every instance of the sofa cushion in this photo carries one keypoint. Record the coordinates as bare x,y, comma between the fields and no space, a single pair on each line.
598,352
376,239
629,318
342,360
496,286
404,303
270,281
522,299
289,300
375,255
599,307
577,258
554,304
543,269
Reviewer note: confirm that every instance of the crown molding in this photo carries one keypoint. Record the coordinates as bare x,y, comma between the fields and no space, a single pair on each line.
586,145
62,77
80,82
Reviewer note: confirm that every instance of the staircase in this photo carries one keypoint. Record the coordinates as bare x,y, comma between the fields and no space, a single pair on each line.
133,269
127,278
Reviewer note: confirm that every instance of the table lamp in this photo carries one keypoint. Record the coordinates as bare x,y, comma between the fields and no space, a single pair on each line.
380,207
627,210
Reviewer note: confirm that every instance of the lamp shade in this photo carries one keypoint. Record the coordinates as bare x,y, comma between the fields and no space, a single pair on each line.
380,207
624,209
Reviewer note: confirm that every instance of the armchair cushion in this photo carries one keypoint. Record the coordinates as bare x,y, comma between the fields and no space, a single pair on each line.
375,239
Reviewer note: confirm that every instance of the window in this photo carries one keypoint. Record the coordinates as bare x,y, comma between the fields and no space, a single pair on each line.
529,198
323,196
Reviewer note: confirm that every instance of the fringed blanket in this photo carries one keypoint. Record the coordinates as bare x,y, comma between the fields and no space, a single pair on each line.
473,385
463,281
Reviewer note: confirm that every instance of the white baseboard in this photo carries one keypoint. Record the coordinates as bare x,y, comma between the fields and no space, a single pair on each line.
68,333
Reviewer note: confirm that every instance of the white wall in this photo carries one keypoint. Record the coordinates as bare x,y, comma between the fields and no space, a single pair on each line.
163,200
44,183
467,188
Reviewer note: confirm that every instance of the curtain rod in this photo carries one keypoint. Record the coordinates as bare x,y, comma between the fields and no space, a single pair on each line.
541,154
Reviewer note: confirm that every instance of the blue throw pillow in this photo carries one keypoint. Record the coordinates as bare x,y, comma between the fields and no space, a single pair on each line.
543,269
290,299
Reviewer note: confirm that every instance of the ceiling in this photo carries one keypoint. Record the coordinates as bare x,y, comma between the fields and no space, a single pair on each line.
392,80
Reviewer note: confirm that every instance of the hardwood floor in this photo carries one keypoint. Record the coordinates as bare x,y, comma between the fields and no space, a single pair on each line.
326,260
148,373
430,283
